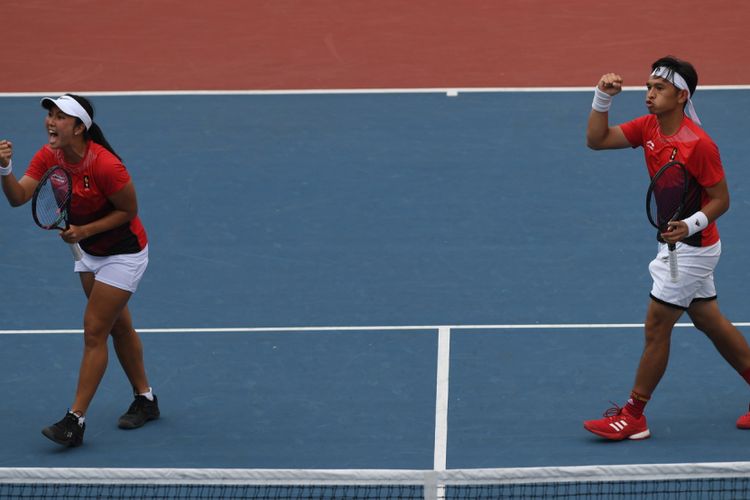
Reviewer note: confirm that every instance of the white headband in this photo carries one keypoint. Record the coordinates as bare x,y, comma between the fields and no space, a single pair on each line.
69,106
678,81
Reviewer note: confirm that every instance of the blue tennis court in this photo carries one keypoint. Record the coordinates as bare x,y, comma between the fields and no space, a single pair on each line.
307,248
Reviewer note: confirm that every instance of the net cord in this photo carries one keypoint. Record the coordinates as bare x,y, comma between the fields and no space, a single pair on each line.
429,478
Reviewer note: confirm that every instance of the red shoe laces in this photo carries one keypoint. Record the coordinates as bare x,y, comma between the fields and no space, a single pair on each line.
614,411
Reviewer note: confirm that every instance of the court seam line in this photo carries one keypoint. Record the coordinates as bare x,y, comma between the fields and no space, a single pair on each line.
425,328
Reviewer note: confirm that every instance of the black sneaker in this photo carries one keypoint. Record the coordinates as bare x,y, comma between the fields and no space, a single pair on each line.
141,411
67,432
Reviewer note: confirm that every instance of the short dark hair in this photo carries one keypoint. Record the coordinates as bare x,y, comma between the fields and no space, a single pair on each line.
683,68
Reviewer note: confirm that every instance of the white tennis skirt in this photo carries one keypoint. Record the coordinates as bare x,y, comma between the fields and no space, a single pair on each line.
123,271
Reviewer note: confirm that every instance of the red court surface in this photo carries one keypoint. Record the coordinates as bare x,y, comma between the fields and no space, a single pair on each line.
132,45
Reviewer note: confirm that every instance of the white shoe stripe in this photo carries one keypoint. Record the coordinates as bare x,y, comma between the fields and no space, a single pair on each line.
619,425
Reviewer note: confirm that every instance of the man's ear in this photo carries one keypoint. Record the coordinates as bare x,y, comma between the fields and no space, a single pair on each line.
683,96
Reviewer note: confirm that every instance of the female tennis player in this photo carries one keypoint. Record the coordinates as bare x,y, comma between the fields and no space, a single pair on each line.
104,222
672,131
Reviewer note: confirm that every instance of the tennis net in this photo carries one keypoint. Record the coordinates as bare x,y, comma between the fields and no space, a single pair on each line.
725,480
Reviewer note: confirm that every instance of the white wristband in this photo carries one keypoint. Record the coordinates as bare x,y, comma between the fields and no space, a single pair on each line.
602,101
7,170
696,222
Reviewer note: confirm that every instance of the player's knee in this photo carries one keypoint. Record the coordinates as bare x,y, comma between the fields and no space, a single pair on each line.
94,339
658,325
657,335
122,331
95,329
700,323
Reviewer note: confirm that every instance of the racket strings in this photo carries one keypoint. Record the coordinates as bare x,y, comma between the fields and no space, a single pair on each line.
52,202
668,194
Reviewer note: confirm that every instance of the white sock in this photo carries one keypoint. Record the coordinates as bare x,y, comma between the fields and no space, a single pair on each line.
81,418
148,395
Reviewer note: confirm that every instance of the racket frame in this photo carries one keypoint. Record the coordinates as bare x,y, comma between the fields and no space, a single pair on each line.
75,249
674,272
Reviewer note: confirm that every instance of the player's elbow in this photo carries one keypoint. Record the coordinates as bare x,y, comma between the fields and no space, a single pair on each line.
594,144
16,196
719,208
595,139
725,206
130,213
16,201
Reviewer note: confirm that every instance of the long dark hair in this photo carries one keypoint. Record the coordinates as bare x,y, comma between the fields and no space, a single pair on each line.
94,132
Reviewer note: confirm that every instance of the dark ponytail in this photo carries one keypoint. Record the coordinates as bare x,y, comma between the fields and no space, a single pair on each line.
94,132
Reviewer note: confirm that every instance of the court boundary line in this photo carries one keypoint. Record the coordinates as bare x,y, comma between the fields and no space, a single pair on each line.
451,91
442,384
433,488
382,328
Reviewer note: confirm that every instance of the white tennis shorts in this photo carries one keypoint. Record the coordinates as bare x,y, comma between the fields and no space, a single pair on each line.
696,274
122,271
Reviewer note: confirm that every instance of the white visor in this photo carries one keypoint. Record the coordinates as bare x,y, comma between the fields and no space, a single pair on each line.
69,106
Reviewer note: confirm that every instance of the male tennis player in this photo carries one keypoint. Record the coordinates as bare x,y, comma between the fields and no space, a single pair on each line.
104,221
671,130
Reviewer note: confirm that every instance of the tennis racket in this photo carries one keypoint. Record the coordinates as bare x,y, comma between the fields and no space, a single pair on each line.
665,201
50,204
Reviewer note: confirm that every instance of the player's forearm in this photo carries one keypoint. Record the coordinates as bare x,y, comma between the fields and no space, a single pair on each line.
14,191
715,208
718,200
597,130
112,220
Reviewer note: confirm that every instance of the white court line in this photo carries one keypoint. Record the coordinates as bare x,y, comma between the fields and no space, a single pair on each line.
441,399
427,328
426,90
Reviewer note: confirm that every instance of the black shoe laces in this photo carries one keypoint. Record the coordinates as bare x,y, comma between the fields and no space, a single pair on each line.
138,405
69,419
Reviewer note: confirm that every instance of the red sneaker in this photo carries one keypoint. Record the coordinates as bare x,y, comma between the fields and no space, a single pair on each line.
618,424
744,421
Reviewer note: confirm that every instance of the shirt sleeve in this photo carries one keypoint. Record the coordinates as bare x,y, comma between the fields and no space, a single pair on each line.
110,174
42,161
633,131
706,163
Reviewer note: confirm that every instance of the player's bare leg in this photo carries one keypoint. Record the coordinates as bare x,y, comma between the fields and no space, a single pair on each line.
104,307
727,339
129,351
660,320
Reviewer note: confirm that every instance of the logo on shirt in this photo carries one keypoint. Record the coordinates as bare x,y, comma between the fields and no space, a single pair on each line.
650,145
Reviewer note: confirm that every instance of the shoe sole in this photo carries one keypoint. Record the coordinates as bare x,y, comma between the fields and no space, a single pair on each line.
616,437
129,426
69,444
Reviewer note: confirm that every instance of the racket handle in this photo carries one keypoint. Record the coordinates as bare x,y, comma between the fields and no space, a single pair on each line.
674,272
76,251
